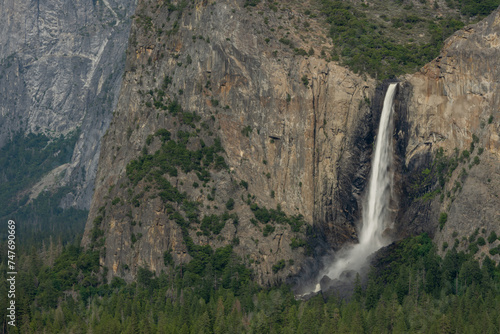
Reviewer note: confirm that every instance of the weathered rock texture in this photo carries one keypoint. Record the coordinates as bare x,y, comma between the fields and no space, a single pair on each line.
298,129
451,102
61,64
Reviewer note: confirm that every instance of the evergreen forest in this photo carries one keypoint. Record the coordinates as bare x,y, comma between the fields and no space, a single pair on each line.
411,289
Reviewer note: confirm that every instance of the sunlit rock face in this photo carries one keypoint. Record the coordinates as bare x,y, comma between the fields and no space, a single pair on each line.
452,102
298,129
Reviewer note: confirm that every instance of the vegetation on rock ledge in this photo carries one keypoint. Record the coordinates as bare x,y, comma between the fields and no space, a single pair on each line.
387,43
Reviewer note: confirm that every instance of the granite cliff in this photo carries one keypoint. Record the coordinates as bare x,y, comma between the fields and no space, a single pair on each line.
61,69
289,126
451,120
227,132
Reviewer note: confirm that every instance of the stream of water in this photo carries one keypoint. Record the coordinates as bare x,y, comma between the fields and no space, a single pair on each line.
376,218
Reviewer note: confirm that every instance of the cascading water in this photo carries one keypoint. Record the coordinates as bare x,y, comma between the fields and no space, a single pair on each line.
376,204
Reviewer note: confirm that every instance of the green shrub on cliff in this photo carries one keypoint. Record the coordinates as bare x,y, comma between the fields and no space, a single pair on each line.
279,266
475,7
251,3
443,217
268,229
296,243
175,154
265,216
492,237
230,204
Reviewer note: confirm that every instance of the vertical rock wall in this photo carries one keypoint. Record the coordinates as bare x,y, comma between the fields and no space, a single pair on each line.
453,104
61,64
296,128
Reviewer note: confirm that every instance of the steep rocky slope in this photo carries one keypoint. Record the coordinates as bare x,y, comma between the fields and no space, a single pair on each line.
289,125
225,124
61,69
453,104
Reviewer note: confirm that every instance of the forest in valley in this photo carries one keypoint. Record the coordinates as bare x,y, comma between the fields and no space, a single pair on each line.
411,290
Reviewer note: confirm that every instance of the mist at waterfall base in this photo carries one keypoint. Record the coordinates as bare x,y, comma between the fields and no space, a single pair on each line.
341,268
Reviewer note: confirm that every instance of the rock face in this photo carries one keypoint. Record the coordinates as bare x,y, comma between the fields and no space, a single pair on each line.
296,128
295,133
61,69
453,103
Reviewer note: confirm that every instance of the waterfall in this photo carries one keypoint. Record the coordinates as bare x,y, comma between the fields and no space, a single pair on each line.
376,218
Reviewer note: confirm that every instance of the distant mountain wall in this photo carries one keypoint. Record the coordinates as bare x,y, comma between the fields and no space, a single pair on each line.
61,66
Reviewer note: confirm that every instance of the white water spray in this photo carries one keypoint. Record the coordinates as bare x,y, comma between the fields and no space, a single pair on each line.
376,218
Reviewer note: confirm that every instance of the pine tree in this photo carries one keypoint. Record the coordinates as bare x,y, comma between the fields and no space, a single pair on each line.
219,325
202,325
145,327
133,326
358,290
59,318
445,325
